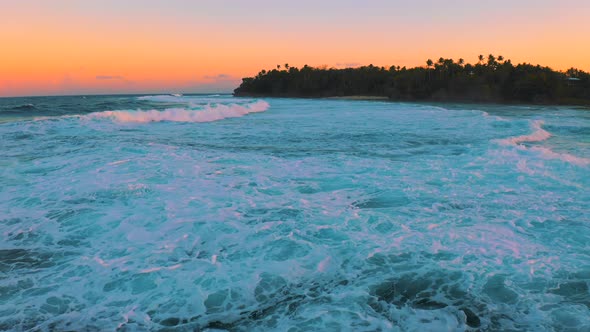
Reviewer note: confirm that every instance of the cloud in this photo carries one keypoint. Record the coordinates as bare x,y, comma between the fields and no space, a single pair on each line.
219,77
109,77
348,65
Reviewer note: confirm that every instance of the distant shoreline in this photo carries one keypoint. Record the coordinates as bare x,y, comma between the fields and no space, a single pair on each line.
491,80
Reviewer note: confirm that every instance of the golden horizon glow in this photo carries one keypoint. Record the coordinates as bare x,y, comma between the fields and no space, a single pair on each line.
72,47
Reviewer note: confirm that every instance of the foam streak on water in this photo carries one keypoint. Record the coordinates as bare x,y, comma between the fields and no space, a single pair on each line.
538,135
178,212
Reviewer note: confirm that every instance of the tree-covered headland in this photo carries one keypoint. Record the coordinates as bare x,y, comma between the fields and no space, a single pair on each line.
491,79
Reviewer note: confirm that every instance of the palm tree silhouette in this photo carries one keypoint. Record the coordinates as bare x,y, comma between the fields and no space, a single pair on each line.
491,60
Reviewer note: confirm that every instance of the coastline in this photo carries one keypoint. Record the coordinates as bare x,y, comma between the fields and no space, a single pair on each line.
585,106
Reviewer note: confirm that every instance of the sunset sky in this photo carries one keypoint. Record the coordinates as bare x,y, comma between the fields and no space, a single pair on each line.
148,46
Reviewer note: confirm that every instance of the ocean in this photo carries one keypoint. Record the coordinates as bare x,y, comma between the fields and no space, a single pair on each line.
208,212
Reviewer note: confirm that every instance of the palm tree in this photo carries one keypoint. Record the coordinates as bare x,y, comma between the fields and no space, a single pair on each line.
278,67
461,61
480,57
500,58
287,66
429,64
491,60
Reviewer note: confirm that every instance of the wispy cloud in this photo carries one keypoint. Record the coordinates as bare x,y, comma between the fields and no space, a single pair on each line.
219,77
348,65
109,77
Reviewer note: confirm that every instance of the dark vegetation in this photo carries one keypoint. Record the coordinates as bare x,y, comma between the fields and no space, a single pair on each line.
491,79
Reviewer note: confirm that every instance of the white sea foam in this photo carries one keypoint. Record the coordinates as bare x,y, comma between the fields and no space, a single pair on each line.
207,114
234,220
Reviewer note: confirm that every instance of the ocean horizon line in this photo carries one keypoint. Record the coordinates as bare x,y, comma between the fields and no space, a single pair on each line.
120,94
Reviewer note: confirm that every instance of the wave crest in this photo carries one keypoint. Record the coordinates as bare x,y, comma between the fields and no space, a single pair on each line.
538,135
208,114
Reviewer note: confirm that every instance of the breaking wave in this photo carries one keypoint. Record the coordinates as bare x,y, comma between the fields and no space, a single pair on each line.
208,114
539,134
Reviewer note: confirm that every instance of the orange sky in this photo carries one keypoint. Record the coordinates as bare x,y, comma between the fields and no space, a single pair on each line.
82,47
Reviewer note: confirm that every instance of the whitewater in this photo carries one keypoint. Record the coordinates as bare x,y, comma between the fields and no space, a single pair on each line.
209,212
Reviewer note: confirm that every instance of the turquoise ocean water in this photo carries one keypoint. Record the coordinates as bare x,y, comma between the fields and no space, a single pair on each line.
184,213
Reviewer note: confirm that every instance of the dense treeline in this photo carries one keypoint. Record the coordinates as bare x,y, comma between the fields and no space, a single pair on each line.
491,79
